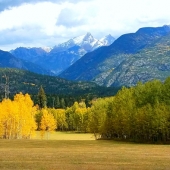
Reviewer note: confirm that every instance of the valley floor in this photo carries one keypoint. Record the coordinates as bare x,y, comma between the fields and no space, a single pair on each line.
75,153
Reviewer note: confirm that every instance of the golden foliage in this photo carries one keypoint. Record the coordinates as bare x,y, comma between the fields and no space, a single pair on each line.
48,122
17,117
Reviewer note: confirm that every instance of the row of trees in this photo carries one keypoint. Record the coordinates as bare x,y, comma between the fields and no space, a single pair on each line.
58,101
19,118
140,113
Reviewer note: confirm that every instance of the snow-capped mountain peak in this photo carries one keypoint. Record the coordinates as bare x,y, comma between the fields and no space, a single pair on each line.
79,39
89,38
107,40
63,55
86,40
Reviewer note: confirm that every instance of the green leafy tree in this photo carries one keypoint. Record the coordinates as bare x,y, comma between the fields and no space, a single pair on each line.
60,116
97,117
70,116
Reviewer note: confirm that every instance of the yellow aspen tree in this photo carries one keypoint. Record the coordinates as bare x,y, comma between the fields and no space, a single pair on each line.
12,119
48,122
26,113
3,119
5,110
8,118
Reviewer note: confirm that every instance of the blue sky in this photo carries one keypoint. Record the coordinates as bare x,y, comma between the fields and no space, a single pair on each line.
40,23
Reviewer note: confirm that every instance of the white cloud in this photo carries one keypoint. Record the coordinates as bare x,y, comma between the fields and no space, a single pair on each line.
42,14
49,22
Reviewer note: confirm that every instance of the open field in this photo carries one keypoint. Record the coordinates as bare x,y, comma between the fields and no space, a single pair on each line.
64,136
81,155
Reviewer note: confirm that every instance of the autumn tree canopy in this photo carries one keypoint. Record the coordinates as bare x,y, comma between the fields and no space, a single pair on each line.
17,117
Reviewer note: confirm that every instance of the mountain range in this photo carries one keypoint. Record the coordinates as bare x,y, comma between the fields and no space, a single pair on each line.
10,61
131,58
63,55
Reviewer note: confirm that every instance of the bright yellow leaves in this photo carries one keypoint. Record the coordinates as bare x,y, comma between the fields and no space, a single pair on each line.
48,123
17,117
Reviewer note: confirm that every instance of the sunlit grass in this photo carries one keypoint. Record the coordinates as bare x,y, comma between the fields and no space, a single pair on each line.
80,154
63,136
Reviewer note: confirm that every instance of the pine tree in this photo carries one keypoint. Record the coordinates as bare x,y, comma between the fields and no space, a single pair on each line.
57,102
42,99
62,103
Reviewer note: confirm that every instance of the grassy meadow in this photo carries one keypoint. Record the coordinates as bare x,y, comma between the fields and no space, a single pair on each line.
70,151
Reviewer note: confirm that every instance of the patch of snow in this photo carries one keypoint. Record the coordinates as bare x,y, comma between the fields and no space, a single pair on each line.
47,49
78,40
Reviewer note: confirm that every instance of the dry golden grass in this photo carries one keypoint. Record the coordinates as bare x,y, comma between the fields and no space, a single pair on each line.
64,136
82,155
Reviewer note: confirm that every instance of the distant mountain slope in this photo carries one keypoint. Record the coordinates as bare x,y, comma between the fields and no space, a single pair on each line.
150,63
59,61
33,55
62,55
28,82
8,60
97,65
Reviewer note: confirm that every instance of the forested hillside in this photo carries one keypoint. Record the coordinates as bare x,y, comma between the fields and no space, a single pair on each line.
153,62
54,87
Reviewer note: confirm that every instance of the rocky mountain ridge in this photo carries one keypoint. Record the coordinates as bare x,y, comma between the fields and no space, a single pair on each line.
99,65
63,55
140,56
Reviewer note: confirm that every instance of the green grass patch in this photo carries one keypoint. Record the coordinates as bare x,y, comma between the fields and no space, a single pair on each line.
81,154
